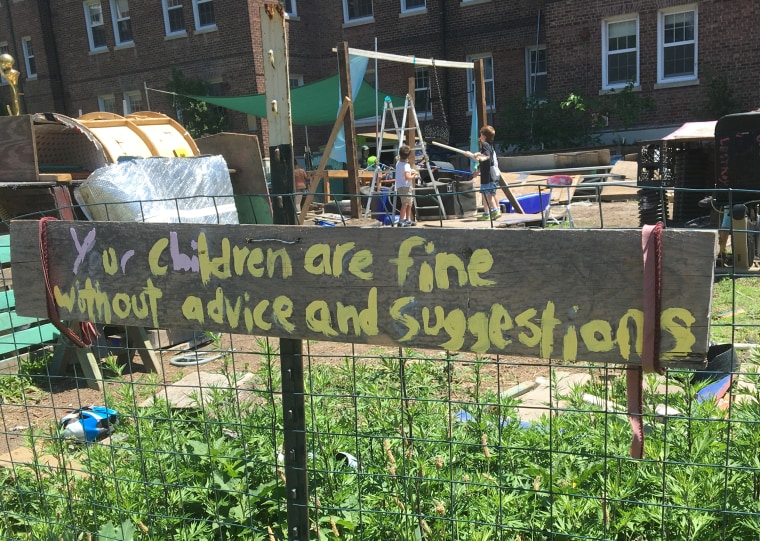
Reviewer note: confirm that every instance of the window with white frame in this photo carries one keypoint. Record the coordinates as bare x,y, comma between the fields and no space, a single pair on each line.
203,11
107,103
134,101
290,8
677,44
620,52
296,80
174,19
96,31
122,24
412,5
488,75
422,93
29,61
356,10
535,72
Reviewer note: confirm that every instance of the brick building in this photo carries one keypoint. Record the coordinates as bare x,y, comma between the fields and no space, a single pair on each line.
103,54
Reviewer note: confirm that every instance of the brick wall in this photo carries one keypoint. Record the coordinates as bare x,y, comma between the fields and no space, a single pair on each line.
571,30
573,40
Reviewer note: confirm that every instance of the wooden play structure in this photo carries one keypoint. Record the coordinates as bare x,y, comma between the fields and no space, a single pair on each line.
407,132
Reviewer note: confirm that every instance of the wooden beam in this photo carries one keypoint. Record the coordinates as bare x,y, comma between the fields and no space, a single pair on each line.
407,59
411,121
481,105
320,172
349,130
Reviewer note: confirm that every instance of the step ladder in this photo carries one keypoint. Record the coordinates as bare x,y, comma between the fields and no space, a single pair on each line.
400,130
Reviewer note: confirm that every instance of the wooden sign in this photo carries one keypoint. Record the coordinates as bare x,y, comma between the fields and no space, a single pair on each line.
559,294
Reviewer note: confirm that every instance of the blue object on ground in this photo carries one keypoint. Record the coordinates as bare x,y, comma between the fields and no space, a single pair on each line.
89,423
530,203
715,390
464,417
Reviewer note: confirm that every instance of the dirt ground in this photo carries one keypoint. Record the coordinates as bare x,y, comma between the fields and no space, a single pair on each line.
45,407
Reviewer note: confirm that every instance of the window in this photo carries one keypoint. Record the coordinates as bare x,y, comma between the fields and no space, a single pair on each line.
296,81
422,94
29,61
677,45
290,8
174,20
134,101
203,10
216,88
354,10
488,74
410,5
107,103
122,25
620,52
535,70
96,32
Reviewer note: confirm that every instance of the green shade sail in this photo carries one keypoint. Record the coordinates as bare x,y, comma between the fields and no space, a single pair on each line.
315,104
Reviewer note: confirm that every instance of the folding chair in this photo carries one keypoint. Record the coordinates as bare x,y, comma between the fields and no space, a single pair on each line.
561,191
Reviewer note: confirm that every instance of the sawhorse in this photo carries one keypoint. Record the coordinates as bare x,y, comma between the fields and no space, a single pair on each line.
136,341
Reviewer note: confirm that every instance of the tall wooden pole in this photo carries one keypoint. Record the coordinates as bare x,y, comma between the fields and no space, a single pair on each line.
411,121
349,130
284,212
481,106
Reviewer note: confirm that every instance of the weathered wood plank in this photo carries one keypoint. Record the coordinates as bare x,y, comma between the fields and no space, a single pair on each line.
18,162
560,294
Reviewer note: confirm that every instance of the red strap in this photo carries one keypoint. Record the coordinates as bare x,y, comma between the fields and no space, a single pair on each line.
651,246
88,331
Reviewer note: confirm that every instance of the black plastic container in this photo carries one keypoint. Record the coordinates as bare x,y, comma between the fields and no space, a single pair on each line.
721,361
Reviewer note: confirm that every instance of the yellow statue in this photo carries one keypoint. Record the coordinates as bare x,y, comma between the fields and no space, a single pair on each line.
11,75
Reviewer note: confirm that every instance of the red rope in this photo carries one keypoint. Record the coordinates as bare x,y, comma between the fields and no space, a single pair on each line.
87,330
651,245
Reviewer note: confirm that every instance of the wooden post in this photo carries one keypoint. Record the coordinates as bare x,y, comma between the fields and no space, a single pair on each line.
481,106
278,117
349,130
411,122
291,349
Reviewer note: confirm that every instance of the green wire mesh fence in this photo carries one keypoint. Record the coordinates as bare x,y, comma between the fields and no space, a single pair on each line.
400,443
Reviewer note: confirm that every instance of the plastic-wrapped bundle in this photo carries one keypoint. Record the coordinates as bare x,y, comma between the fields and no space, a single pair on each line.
164,190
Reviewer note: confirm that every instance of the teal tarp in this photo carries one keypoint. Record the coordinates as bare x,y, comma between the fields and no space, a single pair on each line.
315,104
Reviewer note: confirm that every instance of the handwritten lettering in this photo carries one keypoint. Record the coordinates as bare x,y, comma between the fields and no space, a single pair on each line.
83,248
426,294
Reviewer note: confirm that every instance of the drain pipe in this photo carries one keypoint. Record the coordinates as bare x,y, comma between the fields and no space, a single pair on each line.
533,69
444,54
